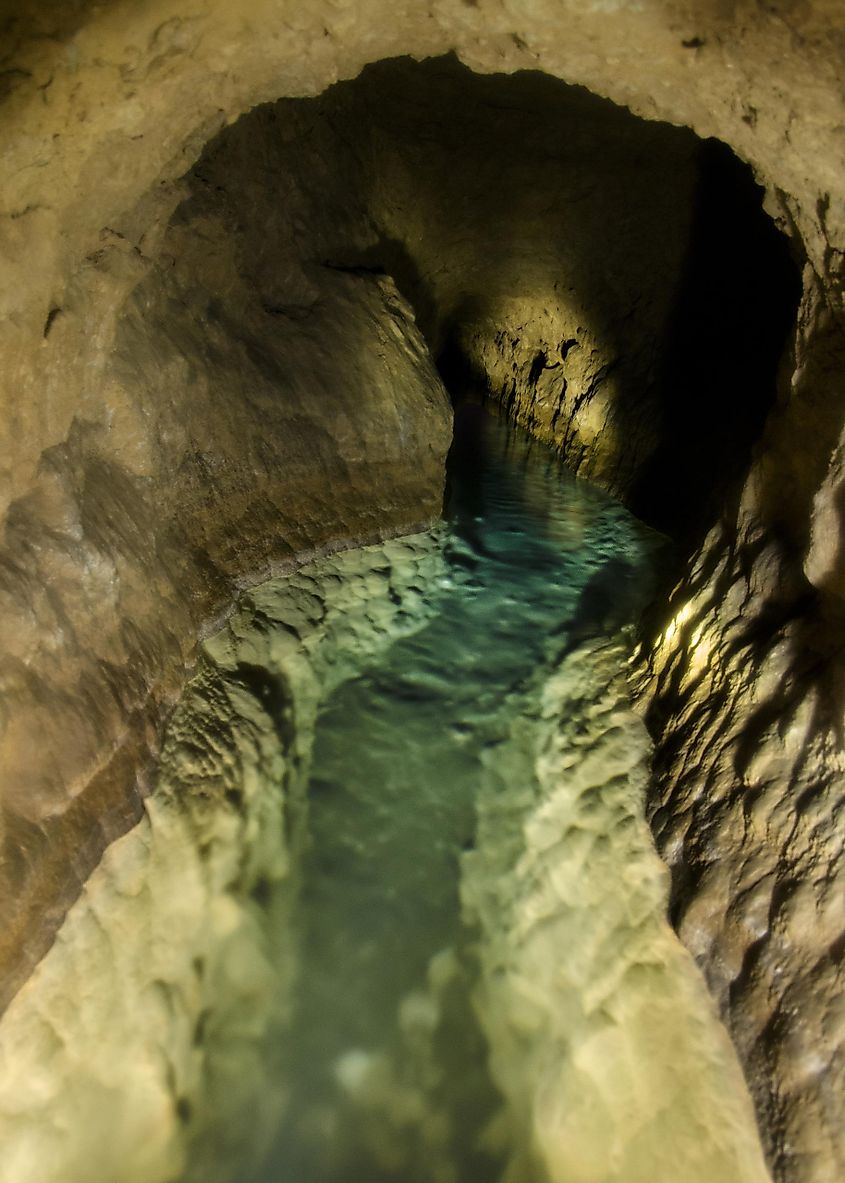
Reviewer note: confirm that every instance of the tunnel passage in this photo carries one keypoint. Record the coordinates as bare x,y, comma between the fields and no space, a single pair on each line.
394,910
272,364
614,283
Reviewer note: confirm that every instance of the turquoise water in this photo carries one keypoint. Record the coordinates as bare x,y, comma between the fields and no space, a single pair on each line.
386,1063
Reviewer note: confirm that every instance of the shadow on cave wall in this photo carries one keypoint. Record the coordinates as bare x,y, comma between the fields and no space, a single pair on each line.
539,213
511,207
543,189
736,300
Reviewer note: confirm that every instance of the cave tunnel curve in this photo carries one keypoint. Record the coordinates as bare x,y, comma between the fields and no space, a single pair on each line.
613,284
687,289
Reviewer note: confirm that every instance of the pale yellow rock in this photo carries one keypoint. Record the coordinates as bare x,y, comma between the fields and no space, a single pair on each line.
145,1042
134,506
602,1035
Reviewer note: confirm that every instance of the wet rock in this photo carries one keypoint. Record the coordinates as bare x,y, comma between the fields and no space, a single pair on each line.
129,520
148,1039
593,1011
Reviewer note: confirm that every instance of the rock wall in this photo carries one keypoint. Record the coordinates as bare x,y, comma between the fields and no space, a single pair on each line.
743,684
148,1039
129,487
225,438
572,1031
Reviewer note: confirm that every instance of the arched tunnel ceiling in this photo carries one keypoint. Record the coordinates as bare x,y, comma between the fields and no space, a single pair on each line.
106,106
105,102
104,110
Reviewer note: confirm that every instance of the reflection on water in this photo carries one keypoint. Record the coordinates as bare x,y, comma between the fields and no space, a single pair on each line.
394,912
387,1060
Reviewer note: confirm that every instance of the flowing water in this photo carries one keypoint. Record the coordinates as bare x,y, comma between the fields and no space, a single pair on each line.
442,959
387,1061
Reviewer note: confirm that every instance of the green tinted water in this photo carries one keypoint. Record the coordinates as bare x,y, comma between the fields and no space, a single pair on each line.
449,960
387,1065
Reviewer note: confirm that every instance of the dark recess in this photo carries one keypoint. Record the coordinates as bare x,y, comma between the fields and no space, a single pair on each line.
737,298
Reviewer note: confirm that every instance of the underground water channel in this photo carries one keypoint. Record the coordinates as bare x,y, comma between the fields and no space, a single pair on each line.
393,911
387,1059
479,899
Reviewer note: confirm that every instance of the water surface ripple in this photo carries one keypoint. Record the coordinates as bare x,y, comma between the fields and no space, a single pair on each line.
389,1067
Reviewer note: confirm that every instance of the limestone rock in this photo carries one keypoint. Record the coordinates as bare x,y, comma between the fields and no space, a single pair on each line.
137,495
146,1041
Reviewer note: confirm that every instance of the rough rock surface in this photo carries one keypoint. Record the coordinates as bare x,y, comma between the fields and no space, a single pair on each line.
490,201
746,809
146,1041
591,1006
228,442
105,107
151,1038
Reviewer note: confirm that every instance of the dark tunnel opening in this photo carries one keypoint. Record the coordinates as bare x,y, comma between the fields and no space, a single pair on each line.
613,284
735,304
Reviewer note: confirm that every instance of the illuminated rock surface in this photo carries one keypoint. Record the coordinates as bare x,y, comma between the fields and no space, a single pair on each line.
469,878
168,436
146,1040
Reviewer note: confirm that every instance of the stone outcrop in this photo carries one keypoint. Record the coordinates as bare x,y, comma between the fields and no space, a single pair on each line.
148,1039
584,983
147,467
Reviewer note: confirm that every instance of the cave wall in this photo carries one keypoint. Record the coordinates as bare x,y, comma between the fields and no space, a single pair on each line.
492,201
225,439
489,202
742,682
123,508
261,390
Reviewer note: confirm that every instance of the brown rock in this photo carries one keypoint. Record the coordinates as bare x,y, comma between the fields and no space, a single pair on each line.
148,465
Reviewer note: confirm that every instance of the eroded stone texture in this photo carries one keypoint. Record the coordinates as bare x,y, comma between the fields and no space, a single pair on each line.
743,683
230,440
746,809
147,1040
591,1006
104,109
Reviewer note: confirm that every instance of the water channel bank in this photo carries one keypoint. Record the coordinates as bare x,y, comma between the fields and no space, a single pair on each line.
394,911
